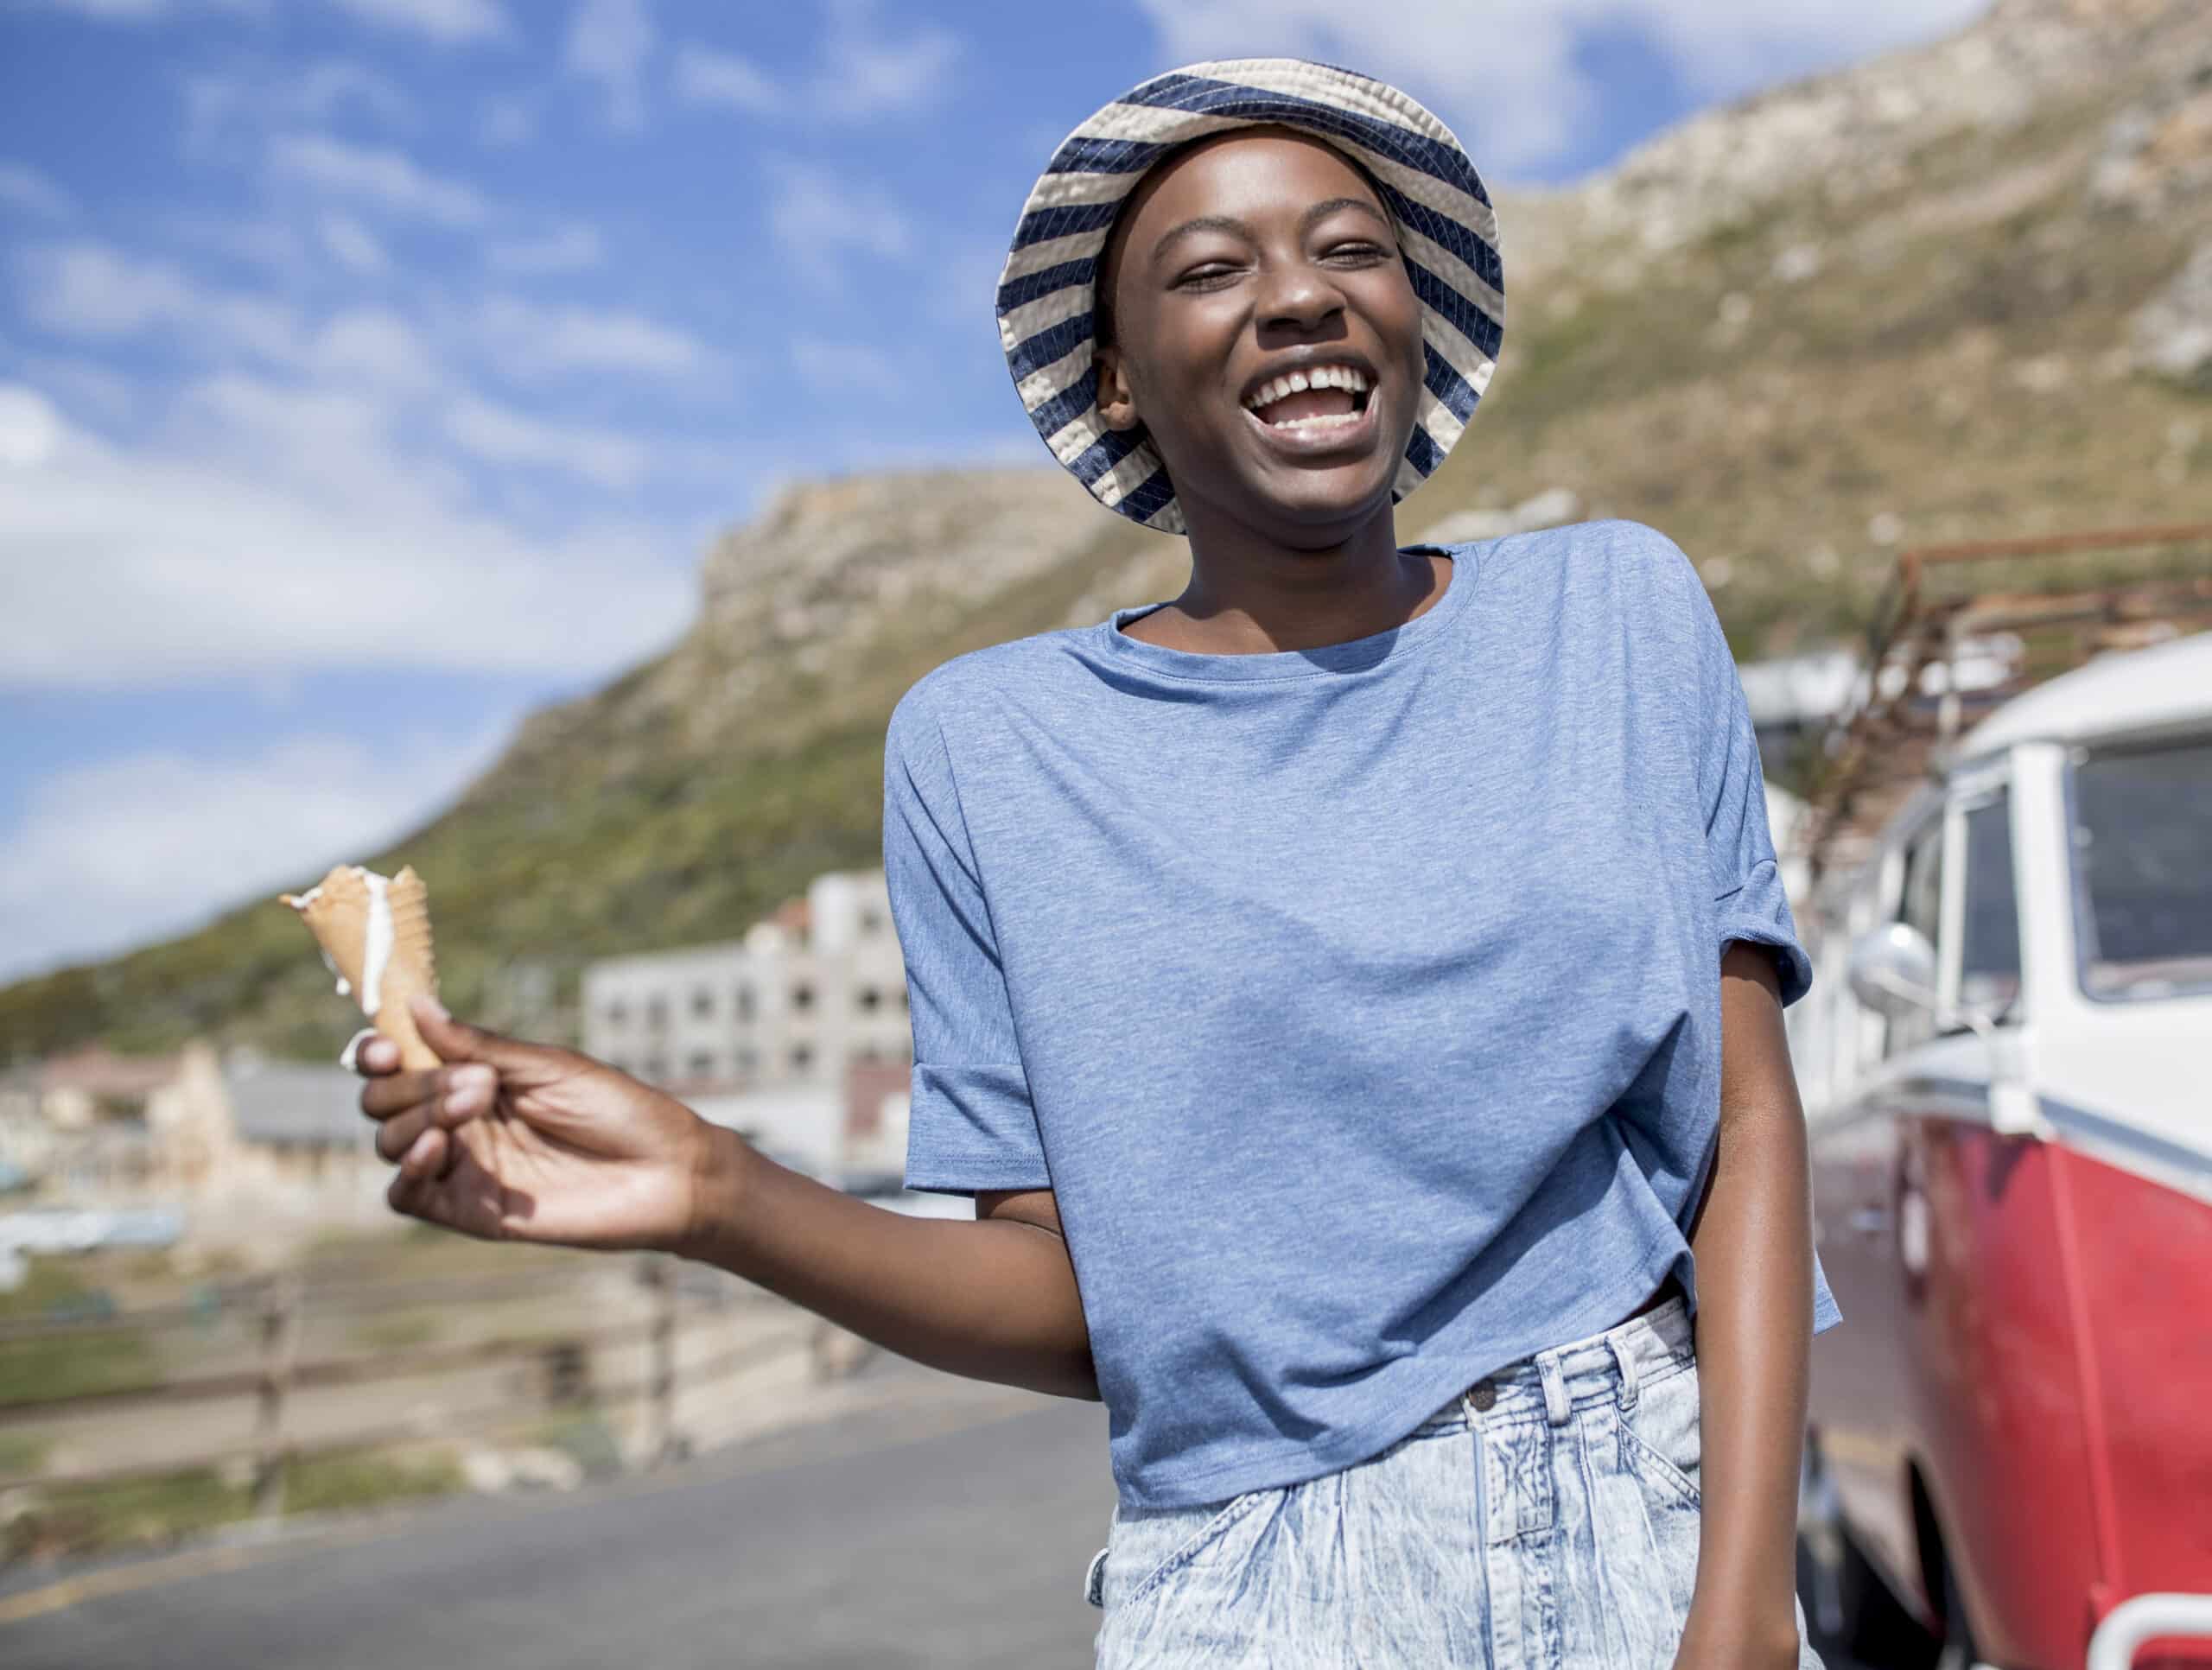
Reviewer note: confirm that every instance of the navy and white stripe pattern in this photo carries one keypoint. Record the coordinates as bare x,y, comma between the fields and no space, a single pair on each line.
1447,231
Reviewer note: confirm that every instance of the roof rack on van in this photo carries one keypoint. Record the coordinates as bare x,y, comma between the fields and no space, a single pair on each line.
1961,629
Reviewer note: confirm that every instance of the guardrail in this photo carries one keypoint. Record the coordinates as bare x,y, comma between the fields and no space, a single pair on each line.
280,1305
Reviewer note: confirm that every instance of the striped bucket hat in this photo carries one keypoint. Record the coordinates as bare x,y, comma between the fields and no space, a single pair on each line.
1446,229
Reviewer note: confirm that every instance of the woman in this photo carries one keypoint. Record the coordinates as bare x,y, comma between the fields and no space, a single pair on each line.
1351,992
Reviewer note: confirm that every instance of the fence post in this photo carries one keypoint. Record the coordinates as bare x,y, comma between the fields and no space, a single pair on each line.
660,1395
280,1345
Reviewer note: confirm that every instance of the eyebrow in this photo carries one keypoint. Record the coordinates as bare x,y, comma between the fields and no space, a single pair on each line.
1230,224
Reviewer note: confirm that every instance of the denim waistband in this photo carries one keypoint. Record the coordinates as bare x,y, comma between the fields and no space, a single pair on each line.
1543,1384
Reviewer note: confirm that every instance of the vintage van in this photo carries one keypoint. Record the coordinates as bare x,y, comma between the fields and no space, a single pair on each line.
2007,1065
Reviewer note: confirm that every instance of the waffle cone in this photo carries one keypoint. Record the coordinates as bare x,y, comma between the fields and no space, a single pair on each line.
337,913
412,968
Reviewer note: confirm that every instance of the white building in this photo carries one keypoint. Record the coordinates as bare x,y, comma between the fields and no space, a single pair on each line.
817,987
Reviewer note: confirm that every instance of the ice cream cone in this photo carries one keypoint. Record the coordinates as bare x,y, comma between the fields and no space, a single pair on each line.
412,968
379,964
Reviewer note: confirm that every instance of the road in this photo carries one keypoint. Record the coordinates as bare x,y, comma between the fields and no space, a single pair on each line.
950,1527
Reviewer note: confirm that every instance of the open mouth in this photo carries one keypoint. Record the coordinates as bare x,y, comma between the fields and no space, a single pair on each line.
1324,410
1323,397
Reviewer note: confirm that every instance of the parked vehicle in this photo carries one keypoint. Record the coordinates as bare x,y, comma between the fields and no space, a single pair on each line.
2006,1064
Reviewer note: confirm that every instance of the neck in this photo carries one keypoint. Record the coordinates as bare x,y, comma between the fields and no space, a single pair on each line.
1251,594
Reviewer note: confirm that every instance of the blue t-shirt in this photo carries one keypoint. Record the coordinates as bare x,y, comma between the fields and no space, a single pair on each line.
1360,1005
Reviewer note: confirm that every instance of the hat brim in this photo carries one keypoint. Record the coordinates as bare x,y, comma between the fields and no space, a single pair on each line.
1448,234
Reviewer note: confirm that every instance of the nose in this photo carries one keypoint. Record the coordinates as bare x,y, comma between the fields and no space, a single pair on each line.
1298,294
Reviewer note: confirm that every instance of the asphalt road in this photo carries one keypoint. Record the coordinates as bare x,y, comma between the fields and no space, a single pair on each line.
953,1529
950,1529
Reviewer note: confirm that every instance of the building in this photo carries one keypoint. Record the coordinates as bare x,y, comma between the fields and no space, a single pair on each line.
816,987
190,1125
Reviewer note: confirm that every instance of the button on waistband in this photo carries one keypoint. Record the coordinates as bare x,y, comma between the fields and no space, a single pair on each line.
1483,1394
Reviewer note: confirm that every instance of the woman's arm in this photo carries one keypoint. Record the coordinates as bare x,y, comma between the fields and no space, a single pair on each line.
512,1140
994,1299
1753,1244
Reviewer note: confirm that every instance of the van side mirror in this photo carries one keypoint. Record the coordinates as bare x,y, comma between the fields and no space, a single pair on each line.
1893,970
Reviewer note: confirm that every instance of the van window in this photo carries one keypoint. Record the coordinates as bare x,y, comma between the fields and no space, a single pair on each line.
1989,953
1920,904
2142,824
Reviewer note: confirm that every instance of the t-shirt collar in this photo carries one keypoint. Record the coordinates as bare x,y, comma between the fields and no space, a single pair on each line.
1356,655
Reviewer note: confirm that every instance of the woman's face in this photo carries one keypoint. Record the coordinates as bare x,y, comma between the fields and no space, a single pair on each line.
1235,259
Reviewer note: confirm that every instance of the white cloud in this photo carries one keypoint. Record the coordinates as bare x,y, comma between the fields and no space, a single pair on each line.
90,291
30,429
353,246
866,71
24,188
567,249
608,42
274,529
372,347
1509,78
334,83
820,216
117,853
704,76
82,385
386,178
271,243
94,293
526,340
869,72
503,435
225,111
447,22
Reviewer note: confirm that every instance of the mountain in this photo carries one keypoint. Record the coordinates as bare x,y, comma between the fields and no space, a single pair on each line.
1960,290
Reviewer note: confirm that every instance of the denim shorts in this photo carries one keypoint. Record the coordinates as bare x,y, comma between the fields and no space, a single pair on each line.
1544,1518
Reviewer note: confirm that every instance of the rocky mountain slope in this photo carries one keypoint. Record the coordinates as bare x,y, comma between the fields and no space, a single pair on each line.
1960,290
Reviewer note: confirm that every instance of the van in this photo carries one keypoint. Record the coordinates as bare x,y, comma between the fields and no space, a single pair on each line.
2005,1061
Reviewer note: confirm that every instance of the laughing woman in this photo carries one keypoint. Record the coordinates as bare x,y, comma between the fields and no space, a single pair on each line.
1352,991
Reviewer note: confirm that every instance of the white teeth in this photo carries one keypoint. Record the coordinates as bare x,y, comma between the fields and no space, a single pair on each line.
1320,376
1327,421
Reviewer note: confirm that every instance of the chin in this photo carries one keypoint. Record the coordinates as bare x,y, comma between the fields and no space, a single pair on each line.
1346,507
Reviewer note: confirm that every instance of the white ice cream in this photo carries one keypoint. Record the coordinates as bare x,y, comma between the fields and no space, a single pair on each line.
374,954
377,951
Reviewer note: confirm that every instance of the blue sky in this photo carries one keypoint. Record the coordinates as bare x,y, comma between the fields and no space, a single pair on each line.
372,370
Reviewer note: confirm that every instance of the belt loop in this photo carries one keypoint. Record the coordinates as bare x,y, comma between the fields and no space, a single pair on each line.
1626,1358
1556,1406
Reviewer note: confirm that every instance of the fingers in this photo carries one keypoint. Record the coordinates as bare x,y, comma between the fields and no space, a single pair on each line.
397,1134
383,1097
462,1092
377,1055
456,1040
419,1167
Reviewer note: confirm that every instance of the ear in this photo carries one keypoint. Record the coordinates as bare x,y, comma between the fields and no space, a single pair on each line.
1117,401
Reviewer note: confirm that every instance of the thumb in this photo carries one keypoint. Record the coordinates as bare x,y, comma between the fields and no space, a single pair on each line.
457,1040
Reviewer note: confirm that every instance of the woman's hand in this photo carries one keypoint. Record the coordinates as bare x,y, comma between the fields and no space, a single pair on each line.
518,1141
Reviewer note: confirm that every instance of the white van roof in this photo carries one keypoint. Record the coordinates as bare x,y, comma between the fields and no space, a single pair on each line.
2167,684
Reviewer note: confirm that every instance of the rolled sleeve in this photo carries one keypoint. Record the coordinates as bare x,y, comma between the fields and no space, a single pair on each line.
1758,910
971,1125
1750,902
